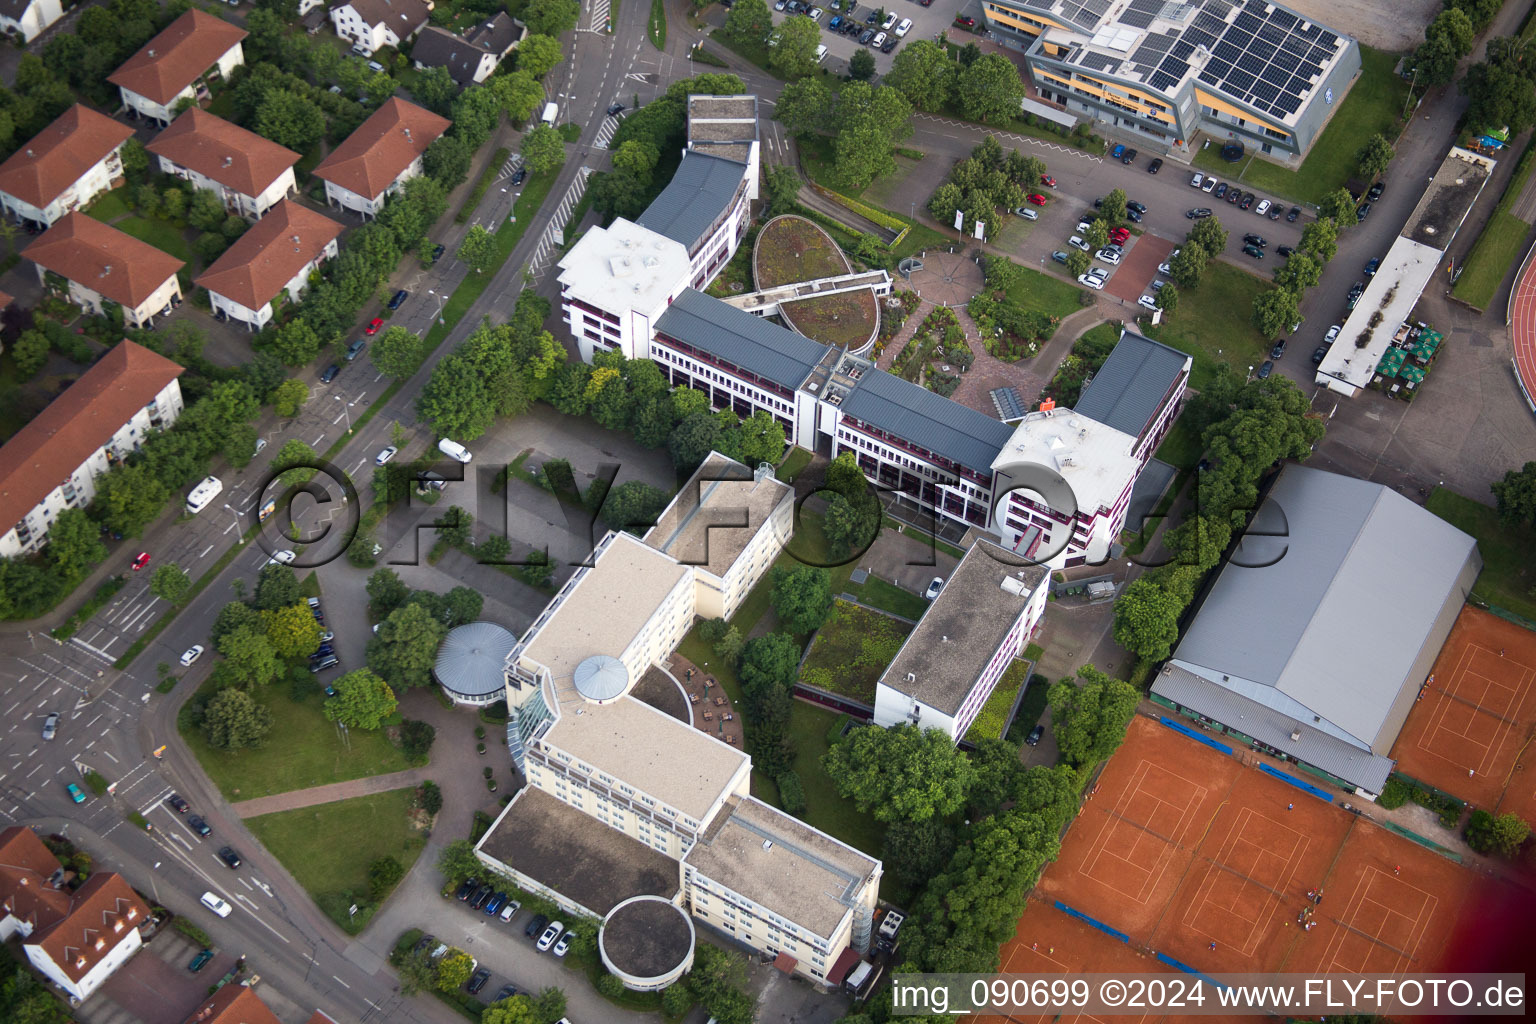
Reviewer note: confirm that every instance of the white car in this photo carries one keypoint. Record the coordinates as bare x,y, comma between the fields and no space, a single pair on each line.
1091,280
218,906
563,945
1082,227
261,443
1077,242
1147,302
1164,269
1109,256
508,911
904,27
1196,181
816,13
1333,332
191,654
1209,186
879,40
284,557
1027,213
890,19
934,588
550,935
385,455
1263,207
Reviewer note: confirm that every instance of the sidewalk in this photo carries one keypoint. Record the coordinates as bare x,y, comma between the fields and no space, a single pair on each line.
297,798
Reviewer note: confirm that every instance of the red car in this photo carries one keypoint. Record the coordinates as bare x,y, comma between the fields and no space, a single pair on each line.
141,561
374,325
967,22
1036,200
1119,236
1047,181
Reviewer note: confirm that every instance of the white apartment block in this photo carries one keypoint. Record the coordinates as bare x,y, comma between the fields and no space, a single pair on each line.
28,19
372,25
63,167
379,157
950,664
616,282
176,64
52,463
100,264
248,173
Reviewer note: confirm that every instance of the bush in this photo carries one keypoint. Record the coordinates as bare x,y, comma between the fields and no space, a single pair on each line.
192,932
97,784
711,630
416,739
1394,794
383,875
609,985
676,1000
431,797
791,793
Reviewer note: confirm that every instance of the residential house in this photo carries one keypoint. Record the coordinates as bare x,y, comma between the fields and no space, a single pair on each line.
52,463
76,939
472,57
380,156
273,258
372,25
27,19
102,264
63,167
247,172
175,65
233,1004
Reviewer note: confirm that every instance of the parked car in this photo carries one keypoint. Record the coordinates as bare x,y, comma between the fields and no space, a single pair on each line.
51,725
1266,369
74,792
903,27
1246,202
389,452
1372,266
482,894
466,890
1276,212
175,802
437,252
563,945
615,109
283,557
374,325
1196,180
1278,352
1284,250
201,959
551,933
228,855
314,608
398,299
1147,302
1221,191
1198,213
1047,181
1128,157
1257,240
934,588
505,992
478,979
1361,212
1108,255
889,22
141,561
1133,216
1376,191
1155,166
509,910
191,654
1059,256
535,926
836,24
1093,279
1319,352
1234,196
520,175
330,372
1119,236
1263,208
356,349
327,662
1254,251
967,22
493,905
1295,212
1027,213
878,41
1035,734
1078,242
866,36
1138,207
198,825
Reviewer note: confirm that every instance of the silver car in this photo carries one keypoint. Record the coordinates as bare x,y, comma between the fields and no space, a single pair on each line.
51,725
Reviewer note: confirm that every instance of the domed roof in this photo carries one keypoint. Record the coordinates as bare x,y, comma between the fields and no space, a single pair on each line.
601,677
473,657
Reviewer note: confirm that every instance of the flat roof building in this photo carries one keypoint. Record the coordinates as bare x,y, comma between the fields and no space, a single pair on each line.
1318,632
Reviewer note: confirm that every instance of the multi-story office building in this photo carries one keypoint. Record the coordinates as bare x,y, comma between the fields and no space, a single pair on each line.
1243,69
63,167
52,463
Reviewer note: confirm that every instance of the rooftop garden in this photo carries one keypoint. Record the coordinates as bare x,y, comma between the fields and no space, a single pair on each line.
791,249
851,651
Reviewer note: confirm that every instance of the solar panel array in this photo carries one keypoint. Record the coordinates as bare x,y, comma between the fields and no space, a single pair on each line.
1267,57
1086,14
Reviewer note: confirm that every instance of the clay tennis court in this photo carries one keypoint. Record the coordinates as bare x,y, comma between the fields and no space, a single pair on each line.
1476,716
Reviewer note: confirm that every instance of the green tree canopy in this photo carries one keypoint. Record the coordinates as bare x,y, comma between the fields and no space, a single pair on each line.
234,720
1375,155
397,352
805,105
1516,496
1188,266
551,17
633,505
289,397
792,46
1089,720
1339,207
748,22
539,54
170,582
362,700
478,251
924,73
1147,619
902,773
543,149
1274,311
404,649
802,597
990,89
292,630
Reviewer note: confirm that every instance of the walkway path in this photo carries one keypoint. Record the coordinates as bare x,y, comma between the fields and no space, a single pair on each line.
331,793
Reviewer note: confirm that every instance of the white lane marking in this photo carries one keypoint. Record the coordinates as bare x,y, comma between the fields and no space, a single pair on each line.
340,982
205,551
108,753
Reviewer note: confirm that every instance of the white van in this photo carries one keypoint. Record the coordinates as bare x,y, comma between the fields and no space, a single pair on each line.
551,111
453,450
903,28
821,54
218,906
204,493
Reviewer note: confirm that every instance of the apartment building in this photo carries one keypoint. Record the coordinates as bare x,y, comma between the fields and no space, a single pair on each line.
950,664
1247,70
616,282
248,173
177,64
372,25
379,157
63,167
28,19
98,264
470,58
52,463
269,264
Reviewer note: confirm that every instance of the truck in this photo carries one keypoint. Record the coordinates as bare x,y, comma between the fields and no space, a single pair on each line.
551,111
210,488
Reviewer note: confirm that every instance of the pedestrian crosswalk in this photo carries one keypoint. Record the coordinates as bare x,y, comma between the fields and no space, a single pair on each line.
598,21
510,167
605,133
549,242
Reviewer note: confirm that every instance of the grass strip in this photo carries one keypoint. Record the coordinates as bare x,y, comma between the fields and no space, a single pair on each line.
1498,246
656,28
478,192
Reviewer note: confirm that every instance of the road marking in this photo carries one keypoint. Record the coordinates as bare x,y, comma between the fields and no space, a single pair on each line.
13,707
98,652
34,771
341,983
89,745
61,769
182,841
93,721
205,551
319,439
108,753
245,883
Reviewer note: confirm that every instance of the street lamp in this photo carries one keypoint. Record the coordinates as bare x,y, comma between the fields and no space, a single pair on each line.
346,407
235,514
441,299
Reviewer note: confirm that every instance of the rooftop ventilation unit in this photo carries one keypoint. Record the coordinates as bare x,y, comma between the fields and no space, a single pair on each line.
1295,735
767,844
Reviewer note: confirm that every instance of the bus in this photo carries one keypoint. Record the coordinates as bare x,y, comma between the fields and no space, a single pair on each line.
203,493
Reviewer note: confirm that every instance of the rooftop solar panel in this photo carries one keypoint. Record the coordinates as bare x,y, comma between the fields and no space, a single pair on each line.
1162,81
1328,39
1267,92
1276,74
1246,22
1226,51
1262,50
1219,68
1218,8
1239,82
1209,77
1136,19
1288,103
1287,62
1298,86
1183,48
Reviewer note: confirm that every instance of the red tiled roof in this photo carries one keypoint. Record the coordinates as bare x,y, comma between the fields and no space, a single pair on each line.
842,965
382,147
175,58
106,911
102,258
233,1004
321,1017
77,423
255,268
60,155
25,867
227,153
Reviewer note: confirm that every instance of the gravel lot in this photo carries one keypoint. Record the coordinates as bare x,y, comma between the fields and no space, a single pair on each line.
1397,25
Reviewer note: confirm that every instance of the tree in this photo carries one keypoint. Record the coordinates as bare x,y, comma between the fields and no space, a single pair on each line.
1274,311
759,439
173,204
74,544
1078,262
915,851
1502,835
862,150
550,18
538,54
206,210
924,74
296,343
990,89
251,659
769,662
792,46
637,159
1098,234
209,246
1147,619
289,119
170,583
543,149
292,630
289,397
518,94
447,160
748,22
1516,496
781,185
900,774
802,597
478,250
386,592
455,967
294,462
397,352
1188,266
277,586
129,497
362,701
458,861
1320,239
861,66
435,89
404,649
383,874
1209,235
1339,207
1089,721
633,506
1166,299
516,1009
1499,89
1373,157
1300,272
30,352
234,720
804,106
691,441
1112,208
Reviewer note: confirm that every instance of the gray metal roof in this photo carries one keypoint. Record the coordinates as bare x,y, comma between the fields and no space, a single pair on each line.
914,413
1330,599
472,660
748,341
1274,728
601,677
699,193
1129,388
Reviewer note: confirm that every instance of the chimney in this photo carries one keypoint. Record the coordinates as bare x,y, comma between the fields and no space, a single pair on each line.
151,53
407,134
105,270
228,160
29,151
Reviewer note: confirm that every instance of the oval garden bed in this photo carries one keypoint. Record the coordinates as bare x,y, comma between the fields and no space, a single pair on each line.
790,249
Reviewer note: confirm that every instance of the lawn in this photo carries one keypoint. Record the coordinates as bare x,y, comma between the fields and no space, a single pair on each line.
1181,447
994,713
852,650
304,750
889,597
846,320
109,206
1031,707
793,465
794,249
1212,323
656,27
1374,104
1042,293
1508,571
825,808
329,848
165,237
1498,247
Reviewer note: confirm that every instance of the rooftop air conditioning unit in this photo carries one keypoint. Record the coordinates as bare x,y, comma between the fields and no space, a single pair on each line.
1295,735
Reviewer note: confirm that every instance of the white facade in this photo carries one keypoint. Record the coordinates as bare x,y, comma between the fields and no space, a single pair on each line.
31,20
248,206
345,198
165,113
104,968
78,487
158,302
624,268
102,176
351,25
256,319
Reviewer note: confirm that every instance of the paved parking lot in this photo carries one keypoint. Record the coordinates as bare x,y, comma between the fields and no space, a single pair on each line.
927,23
1138,268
